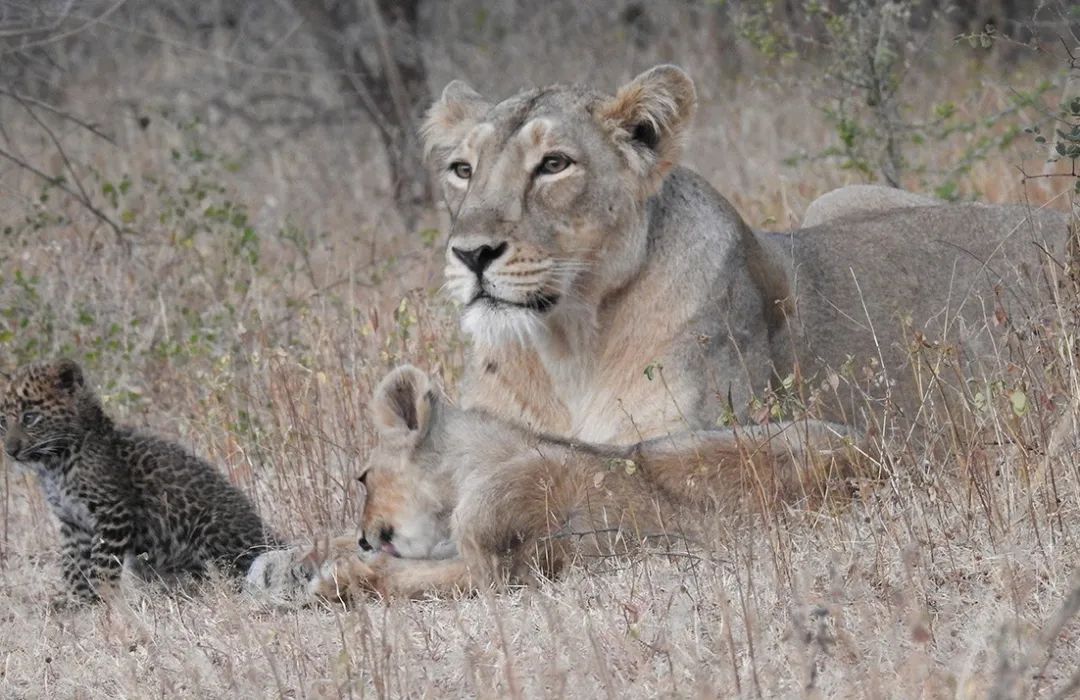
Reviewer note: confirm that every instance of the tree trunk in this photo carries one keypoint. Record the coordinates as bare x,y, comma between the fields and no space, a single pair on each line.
374,47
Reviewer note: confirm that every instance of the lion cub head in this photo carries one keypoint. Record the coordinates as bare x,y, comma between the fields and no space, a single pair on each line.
409,487
547,193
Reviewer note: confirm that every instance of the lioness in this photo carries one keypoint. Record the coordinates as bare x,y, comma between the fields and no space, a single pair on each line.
583,255
614,297
459,500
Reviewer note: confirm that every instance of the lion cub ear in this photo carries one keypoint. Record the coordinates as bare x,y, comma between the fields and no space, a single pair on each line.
450,118
647,118
403,405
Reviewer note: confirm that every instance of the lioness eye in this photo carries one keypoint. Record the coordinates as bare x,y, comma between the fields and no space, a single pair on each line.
461,169
30,418
553,163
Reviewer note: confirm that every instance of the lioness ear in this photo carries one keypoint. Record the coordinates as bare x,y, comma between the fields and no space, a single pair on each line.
647,118
67,375
448,120
403,405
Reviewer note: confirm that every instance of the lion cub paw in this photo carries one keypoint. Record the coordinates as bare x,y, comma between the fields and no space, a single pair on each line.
348,580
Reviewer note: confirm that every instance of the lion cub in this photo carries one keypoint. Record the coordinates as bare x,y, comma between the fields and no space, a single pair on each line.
119,495
459,500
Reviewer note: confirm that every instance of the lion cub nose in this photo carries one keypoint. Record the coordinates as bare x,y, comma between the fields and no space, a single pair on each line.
478,259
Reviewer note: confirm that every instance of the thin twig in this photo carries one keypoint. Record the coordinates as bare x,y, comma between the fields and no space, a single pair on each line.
60,113
64,35
59,147
59,183
23,31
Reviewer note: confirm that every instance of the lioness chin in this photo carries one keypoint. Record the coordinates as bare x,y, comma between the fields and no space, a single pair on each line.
458,500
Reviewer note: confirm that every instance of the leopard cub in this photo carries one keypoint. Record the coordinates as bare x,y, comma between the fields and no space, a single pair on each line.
120,496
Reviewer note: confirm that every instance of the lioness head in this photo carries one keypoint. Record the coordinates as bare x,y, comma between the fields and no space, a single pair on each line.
546,191
409,494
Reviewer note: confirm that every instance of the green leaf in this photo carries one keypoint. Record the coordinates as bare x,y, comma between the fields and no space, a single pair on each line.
429,236
1074,136
1019,402
627,465
948,190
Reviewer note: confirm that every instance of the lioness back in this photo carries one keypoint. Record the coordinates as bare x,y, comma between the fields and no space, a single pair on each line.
873,287
857,200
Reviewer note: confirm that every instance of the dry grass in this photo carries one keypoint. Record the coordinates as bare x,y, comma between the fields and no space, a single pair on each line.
954,578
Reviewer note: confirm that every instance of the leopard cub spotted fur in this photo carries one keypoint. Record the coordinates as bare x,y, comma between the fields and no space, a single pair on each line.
120,496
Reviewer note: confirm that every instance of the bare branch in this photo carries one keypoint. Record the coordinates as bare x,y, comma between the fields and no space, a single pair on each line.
59,147
64,35
23,31
341,56
396,86
59,183
67,116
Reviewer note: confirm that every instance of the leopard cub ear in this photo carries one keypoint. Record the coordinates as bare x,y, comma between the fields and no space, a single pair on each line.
67,375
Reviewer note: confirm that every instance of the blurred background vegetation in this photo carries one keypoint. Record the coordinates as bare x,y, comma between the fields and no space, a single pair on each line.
351,79
196,195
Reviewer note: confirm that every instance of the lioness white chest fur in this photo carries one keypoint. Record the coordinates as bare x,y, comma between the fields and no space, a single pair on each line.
582,256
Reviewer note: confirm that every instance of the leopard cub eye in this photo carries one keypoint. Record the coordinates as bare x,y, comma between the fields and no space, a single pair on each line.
3,422
30,418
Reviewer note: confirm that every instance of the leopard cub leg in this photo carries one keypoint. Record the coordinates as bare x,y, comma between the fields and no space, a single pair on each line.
75,567
109,545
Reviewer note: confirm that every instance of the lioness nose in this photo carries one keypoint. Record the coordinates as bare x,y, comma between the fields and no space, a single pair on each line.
478,259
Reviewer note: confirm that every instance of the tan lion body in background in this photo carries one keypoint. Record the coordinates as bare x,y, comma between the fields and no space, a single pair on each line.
614,297
855,200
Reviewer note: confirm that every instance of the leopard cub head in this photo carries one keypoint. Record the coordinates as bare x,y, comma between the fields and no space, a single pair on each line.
44,408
